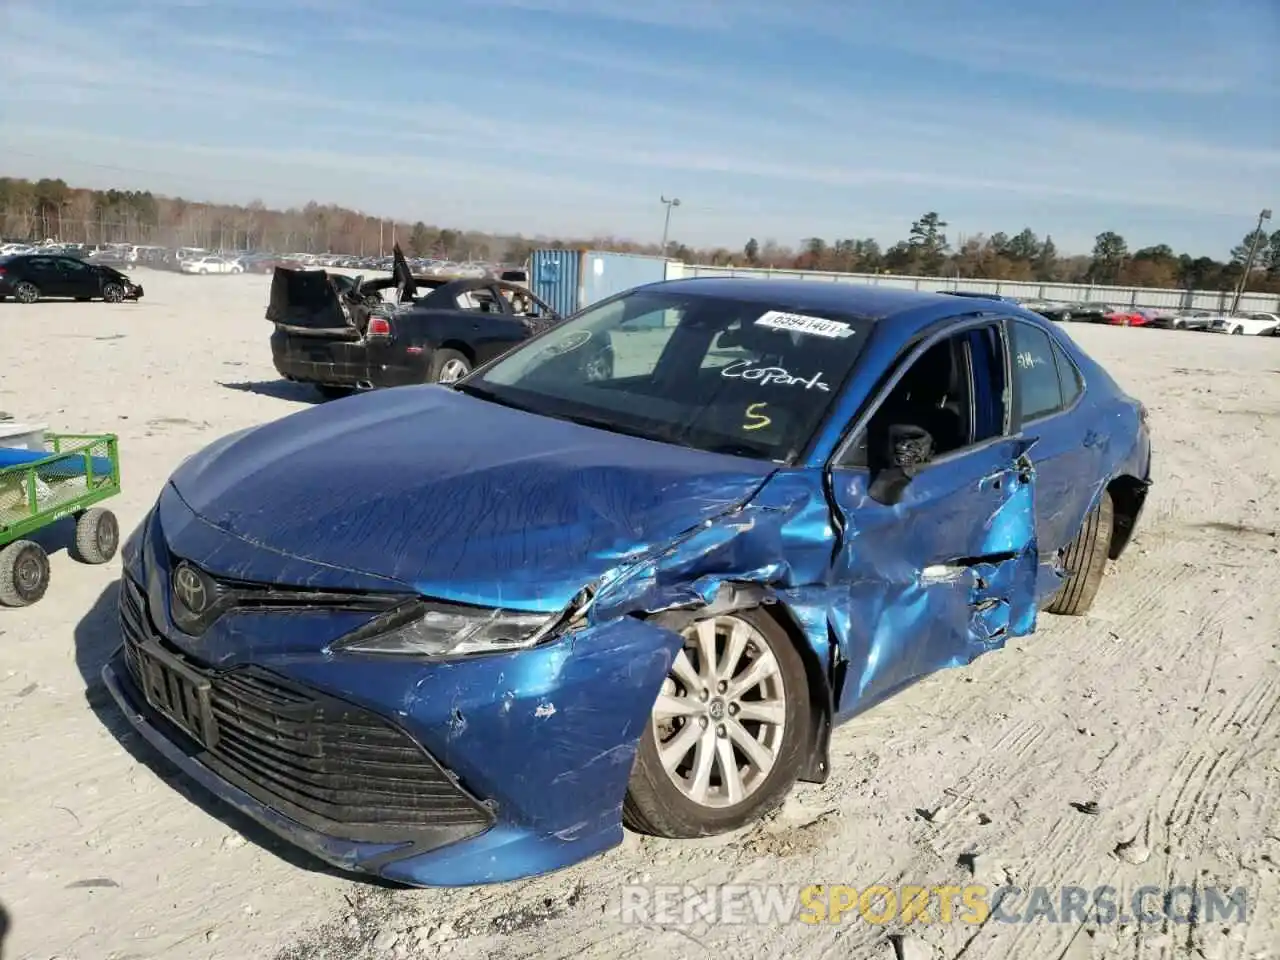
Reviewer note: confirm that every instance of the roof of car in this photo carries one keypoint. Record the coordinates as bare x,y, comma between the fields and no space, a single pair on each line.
855,299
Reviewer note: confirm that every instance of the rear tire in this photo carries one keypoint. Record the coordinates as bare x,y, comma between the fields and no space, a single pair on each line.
26,292
24,573
1238,332
701,723
447,365
1085,562
97,536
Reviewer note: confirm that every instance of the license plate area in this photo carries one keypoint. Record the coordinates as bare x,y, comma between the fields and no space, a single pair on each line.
179,693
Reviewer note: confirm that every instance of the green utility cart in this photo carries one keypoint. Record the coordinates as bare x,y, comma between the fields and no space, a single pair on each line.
67,478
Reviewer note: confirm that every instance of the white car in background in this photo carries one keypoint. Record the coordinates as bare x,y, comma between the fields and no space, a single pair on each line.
1250,324
211,265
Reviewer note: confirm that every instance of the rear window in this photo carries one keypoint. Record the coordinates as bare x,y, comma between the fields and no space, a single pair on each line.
721,375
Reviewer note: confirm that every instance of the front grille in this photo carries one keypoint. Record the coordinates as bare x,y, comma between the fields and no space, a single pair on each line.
322,761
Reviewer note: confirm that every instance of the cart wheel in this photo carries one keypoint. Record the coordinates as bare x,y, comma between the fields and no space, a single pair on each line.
97,535
24,573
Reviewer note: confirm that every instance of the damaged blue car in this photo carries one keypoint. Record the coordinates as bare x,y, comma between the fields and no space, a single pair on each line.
457,634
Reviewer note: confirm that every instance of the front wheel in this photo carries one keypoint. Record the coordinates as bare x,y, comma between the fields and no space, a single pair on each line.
1238,332
447,366
1085,562
24,573
728,734
113,293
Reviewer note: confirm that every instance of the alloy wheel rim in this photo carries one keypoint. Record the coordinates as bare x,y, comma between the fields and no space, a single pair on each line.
452,370
720,718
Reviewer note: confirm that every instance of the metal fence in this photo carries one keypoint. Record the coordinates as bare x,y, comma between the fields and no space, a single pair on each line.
1154,298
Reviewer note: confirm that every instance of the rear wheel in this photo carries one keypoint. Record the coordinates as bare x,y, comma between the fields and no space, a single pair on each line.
448,365
1238,331
728,733
1085,562
26,292
97,535
24,573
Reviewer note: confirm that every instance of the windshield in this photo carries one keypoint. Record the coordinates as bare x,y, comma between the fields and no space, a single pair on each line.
720,375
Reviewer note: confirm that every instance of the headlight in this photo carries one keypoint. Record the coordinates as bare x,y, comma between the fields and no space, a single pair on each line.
440,630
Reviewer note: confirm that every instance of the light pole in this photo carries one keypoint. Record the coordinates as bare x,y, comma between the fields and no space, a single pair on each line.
666,226
1264,216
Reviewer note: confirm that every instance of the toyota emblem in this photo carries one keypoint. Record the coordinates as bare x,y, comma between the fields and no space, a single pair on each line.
188,586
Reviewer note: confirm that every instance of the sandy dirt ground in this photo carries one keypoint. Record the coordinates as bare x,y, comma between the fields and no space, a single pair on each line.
1137,746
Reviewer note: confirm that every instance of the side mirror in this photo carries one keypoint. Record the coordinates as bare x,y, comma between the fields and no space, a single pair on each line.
909,448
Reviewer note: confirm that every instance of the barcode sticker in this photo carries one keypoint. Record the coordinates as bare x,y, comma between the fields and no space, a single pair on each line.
800,323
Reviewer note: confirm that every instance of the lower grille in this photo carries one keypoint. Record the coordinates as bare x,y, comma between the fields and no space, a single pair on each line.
321,761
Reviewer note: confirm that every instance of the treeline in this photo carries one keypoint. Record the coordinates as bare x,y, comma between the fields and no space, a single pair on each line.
50,209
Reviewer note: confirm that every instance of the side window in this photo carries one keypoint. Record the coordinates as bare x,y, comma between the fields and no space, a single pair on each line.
1069,379
954,391
1035,373
72,266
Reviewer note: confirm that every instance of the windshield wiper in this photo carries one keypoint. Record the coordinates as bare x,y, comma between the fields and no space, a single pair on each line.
481,393
600,423
735,450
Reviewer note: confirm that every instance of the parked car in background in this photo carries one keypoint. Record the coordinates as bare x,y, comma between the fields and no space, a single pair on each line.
341,334
1251,324
1184,320
202,265
458,634
1123,317
31,277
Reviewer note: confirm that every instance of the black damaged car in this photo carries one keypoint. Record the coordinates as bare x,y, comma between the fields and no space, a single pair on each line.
344,334
28,277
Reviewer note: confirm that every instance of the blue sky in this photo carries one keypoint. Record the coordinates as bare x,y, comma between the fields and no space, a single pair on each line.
835,118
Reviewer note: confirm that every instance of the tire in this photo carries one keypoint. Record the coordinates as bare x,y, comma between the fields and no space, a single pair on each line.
24,573
1238,332
1066,315
655,803
447,365
26,292
97,536
113,293
332,392
1085,562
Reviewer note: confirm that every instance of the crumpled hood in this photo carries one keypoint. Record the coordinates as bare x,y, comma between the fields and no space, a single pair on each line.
462,499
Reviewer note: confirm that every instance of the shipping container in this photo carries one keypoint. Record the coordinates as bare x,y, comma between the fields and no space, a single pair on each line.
569,280
609,273
554,278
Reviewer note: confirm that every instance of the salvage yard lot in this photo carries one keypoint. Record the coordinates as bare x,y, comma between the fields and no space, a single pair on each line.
1160,708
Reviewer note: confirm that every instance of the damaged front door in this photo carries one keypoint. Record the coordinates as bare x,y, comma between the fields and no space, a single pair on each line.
939,565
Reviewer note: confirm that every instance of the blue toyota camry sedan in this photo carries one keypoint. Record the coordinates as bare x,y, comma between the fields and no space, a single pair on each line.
463,633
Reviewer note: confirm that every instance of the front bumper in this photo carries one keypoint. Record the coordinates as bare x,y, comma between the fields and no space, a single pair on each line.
522,760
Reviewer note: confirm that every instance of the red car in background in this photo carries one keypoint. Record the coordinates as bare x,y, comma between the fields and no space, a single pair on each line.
1127,317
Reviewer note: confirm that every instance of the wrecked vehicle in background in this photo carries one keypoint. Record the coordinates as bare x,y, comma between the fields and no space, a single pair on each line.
461,633
346,333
